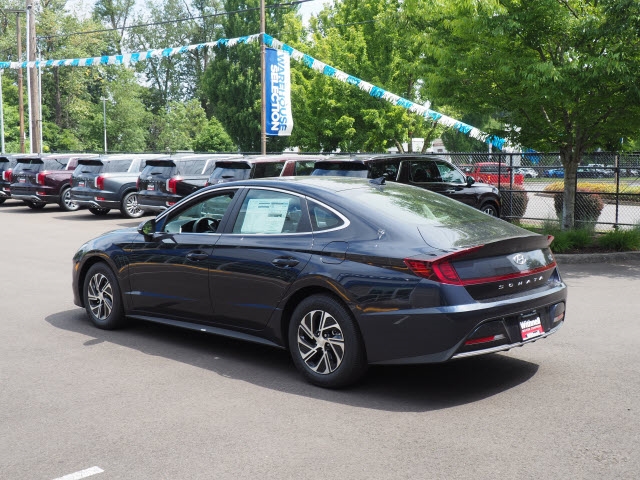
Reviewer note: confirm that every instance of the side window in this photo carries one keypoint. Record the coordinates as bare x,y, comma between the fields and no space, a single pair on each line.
424,172
190,167
267,169
449,173
388,170
322,218
304,167
268,212
203,216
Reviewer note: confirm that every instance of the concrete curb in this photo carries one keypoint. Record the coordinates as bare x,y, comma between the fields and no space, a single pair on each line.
565,259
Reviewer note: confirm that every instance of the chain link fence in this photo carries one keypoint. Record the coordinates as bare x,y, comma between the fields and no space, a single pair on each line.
531,184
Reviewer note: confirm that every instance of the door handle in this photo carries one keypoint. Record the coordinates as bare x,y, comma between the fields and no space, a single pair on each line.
197,256
285,262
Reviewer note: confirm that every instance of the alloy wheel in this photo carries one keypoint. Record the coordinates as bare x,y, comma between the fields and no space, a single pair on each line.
131,206
100,296
69,204
320,342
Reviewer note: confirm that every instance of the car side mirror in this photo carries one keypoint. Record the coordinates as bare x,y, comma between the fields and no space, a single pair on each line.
147,228
470,180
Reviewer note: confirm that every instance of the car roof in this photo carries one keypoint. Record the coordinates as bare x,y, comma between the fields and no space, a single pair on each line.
282,158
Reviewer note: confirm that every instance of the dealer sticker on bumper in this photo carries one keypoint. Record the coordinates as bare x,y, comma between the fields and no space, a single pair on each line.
531,328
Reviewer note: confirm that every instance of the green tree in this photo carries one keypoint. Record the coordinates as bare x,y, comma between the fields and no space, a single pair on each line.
231,82
182,123
213,138
563,74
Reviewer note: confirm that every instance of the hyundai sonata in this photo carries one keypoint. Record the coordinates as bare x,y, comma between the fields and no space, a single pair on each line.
342,272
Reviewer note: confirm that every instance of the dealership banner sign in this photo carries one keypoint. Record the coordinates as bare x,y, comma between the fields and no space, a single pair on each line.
278,89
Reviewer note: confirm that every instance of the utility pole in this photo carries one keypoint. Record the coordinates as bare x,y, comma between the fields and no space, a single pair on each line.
1,116
34,105
104,118
263,81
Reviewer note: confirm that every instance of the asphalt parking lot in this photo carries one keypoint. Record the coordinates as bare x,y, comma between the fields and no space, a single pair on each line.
152,402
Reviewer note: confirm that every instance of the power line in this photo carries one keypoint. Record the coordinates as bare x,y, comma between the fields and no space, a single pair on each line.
142,25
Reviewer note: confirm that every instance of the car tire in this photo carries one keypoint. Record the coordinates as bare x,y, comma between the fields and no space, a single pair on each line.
490,209
102,298
35,206
100,212
66,203
325,343
129,206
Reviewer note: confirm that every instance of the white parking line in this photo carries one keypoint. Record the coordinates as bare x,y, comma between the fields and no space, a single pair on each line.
81,474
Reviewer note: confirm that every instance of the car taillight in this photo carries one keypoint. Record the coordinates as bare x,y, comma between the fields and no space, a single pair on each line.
6,175
172,184
40,177
99,182
439,269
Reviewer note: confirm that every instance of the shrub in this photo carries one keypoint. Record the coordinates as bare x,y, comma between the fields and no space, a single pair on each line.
588,207
621,240
513,202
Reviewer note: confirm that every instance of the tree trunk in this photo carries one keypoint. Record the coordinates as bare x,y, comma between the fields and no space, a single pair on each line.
398,146
570,156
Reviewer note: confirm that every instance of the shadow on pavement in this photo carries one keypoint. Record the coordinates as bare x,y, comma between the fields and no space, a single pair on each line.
397,388
617,269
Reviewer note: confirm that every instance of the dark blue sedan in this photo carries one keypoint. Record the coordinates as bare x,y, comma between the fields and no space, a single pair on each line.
341,272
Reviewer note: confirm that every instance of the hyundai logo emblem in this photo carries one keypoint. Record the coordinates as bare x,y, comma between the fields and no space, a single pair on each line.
519,259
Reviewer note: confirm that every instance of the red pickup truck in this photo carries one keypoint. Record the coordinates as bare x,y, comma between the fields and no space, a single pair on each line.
493,173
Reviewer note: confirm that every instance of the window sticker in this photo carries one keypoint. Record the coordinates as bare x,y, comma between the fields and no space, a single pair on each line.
265,215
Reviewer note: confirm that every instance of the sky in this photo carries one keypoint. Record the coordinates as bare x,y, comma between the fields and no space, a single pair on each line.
83,8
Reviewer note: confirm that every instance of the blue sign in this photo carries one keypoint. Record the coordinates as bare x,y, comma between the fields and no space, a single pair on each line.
278,89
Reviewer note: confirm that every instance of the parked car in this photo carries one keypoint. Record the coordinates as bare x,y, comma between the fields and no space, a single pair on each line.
109,182
494,173
39,180
263,167
527,172
6,167
342,272
163,182
554,173
429,172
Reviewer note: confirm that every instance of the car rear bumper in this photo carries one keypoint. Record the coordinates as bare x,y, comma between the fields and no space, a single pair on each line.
433,335
36,198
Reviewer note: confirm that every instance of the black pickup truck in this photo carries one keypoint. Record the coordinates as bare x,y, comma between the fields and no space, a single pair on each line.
109,182
164,182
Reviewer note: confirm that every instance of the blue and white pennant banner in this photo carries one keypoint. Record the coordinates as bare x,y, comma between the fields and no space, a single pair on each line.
392,98
374,91
128,58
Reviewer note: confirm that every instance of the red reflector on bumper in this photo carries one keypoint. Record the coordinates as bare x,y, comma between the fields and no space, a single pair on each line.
492,338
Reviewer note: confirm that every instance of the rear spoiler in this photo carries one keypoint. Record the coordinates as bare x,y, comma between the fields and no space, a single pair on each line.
242,164
95,162
344,165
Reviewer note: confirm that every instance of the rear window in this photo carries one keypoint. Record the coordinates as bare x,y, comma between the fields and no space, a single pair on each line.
88,167
33,165
443,222
340,169
158,168
267,169
231,170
